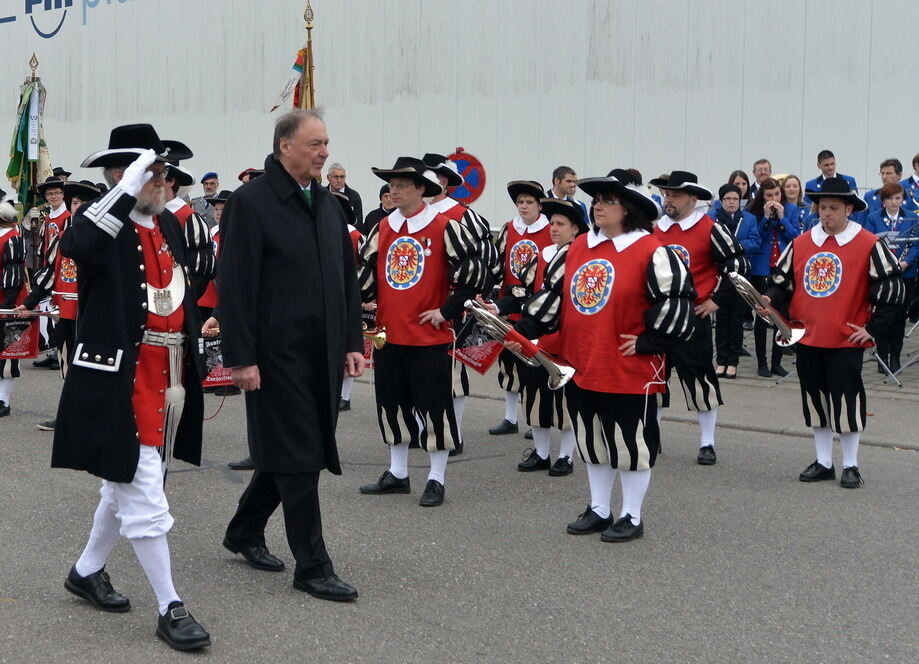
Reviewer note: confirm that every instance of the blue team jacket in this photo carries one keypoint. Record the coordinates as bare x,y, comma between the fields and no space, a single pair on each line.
788,230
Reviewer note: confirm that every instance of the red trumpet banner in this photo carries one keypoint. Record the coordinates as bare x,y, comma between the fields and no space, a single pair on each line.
18,339
217,374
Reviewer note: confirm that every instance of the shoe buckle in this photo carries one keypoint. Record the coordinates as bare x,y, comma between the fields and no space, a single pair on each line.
178,613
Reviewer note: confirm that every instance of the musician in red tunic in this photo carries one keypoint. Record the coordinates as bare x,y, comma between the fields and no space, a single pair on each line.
420,267
843,284
56,219
520,241
710,252
620,300
12,291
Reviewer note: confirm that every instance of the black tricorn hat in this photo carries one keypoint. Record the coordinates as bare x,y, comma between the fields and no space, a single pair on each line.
629,192
530,187
255,172
128,141
413,169
84,190
837,187
683,181
443,166
60,172
571,210
51,182
219,198
182,176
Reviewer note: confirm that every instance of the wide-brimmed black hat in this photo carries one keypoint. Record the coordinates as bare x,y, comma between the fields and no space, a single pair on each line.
182,176
837,187
60,172
622,175
219,198
443,166
255,172
84,190
51,182
530,187
128,141
629,192
571,210
413,169
683,181
345,203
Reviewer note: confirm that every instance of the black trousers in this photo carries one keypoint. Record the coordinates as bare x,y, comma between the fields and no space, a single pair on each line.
832,392
298,493
760,330
694,369
65,332
891,344
729,330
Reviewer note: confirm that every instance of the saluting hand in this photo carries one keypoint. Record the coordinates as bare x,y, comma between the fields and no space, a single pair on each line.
247,378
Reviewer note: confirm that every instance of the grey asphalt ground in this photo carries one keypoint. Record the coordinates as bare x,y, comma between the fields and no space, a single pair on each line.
740,562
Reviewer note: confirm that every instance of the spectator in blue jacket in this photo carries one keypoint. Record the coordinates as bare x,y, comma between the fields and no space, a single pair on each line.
793,193
778,225
826,162
891,171
729,319
911,187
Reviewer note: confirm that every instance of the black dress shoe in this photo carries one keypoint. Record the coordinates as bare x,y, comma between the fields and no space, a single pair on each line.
46,426
388,483
894,364
433,494
257,555
529,434
850,478
562,466
458,449
180,630
97,590
707,456
532,461
504,428
50,362
4,409
327,587
589,522
242,464
779,370
226,391
763,371
210,389
816,473
344,404
623,530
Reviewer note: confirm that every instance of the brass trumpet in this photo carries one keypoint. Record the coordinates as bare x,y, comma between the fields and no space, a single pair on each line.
376,335
54,314
500,329
786,334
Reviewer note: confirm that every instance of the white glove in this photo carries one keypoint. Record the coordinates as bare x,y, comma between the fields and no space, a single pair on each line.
136,175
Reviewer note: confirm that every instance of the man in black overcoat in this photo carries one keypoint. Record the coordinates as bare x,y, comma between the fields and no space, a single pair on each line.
290,323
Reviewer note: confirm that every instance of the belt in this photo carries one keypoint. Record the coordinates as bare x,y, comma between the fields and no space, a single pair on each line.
167,339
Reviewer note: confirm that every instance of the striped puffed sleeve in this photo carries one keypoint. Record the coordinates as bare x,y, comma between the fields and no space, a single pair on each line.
12,275
202,263
541,312
728,255
500,249
367,268
482,233
780,285
671,317
887,291
467,273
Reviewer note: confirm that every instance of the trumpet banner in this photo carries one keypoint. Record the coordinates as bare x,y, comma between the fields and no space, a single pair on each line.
475,348
18,338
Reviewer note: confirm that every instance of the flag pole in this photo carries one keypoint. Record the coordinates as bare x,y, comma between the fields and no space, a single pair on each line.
307,89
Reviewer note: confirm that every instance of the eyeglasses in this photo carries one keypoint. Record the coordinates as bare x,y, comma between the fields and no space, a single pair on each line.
398,186
160,175
602,200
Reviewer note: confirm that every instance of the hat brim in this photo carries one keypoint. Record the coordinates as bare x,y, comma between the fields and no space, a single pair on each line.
696,190
176,151
594,186
82,191
182,177
431,188
514,189
454,179
58,184
552,206
119,157
858,204
214,199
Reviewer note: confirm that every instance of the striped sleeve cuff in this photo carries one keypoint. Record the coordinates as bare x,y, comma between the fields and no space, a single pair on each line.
108,212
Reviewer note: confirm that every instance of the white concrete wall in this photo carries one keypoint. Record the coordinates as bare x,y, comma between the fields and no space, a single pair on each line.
705,85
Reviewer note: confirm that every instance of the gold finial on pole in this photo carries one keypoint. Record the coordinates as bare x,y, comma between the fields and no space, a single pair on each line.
307,89
308,15
33,65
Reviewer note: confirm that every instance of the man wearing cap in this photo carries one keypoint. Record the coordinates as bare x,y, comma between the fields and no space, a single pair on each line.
448,176
564,184
710,252
290,322
843,285
377,214
210,182
519,242
420,267
132,395
336,176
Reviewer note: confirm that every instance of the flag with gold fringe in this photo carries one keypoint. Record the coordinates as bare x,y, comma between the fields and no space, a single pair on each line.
30,162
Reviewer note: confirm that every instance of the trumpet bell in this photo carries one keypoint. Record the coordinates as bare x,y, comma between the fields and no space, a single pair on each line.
377,336
560,379
797,333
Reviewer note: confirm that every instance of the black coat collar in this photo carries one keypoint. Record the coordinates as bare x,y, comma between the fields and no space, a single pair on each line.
281,181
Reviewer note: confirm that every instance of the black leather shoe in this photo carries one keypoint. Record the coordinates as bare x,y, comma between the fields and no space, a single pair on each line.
327,587
562,466
4,409
50,362
46,426
894,363
242,464
97,590
227,391
257,555
763,371
850,478
589,522
529,434
433,494
180,630
532,461
458,449
815,473
779,370
504,428
623,530
706,456
388,483
344,404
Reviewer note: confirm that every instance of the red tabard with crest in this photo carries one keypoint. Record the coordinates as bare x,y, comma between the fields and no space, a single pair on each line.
410,282
53,228
519,251
604,295
65,281
694,247
831,288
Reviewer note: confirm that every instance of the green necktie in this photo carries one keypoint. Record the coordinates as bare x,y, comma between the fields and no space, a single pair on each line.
308,195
